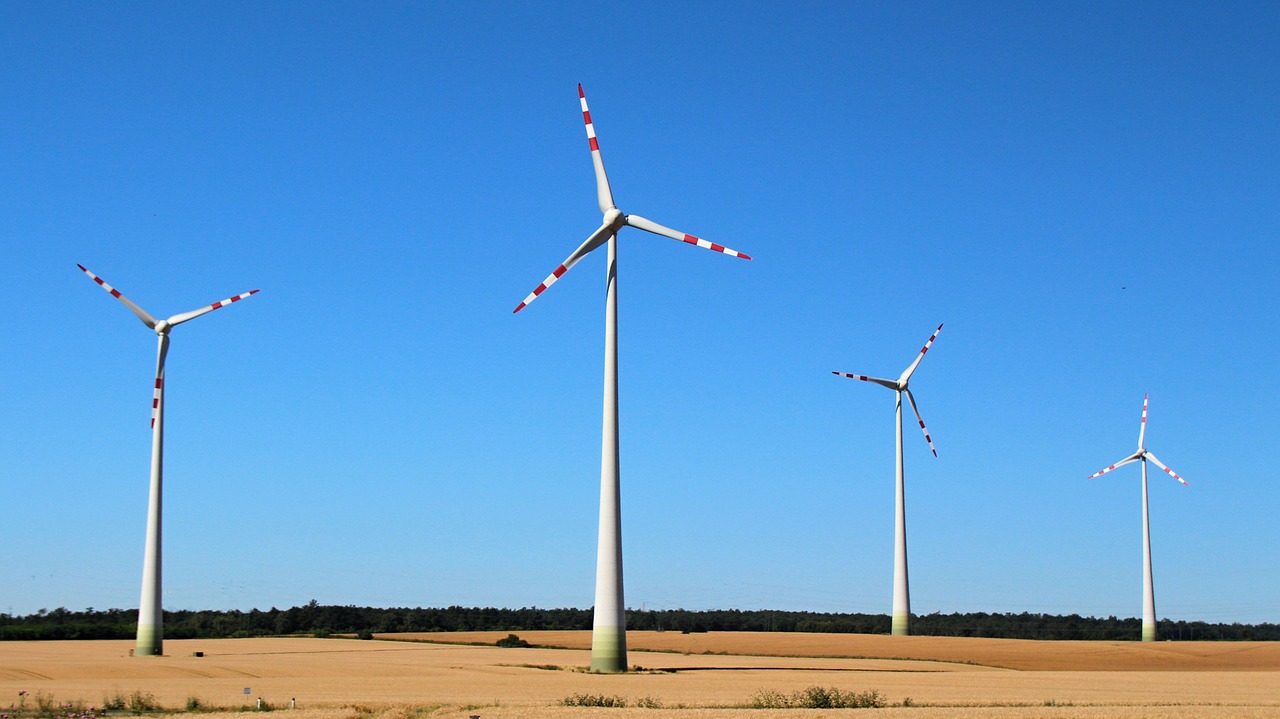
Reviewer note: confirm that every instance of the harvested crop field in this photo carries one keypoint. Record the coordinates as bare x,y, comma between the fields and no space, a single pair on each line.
703,676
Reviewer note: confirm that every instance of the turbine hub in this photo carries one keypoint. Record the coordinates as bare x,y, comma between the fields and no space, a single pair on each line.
163,327
614,218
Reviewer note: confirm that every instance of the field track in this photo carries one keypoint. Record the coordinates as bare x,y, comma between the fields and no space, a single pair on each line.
694,676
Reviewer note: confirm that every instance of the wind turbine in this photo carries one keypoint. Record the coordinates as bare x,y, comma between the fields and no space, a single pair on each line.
901,593
150,616
1148,587
608,635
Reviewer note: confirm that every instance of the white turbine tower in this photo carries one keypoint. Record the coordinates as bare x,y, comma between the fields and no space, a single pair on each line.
608,637
1148,587
901,593
150,617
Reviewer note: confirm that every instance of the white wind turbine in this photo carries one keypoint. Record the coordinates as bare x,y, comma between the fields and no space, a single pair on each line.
150,616
1148,587
608,637
901,593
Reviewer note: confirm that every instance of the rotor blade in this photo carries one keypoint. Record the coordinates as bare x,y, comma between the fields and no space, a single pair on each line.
1160,464
597,238
603,193
641,223
885,382
907,374
179,319
916,409
159,389
142,314
1121,463
1142,433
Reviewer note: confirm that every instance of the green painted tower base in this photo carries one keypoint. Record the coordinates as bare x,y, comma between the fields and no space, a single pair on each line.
150,641
1148,632
901,620
609,649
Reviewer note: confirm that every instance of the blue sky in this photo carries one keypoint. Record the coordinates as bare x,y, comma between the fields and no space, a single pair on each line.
1087,194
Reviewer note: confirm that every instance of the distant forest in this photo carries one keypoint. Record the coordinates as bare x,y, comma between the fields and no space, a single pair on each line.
324,620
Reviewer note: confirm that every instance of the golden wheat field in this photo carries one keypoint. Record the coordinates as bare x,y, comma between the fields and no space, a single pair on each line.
693,676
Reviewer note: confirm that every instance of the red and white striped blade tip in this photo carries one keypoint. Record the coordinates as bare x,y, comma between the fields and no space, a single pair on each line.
114,292
920,419
1121,463
142,314
862,377
223,303
186,316
551,280
705,244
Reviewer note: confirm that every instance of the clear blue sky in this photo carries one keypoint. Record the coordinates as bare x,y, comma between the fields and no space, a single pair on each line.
1087,194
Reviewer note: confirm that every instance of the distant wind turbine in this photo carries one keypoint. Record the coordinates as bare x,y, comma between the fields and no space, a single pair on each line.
1148,587
150,616
608,636
901,593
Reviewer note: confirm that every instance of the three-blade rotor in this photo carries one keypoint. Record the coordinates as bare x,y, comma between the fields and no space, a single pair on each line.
162,328
901,385
1142,454
614,219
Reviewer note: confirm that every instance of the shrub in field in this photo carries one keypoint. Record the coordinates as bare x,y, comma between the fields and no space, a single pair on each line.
594,700
140,701
44,704
816,697
770,699
512,640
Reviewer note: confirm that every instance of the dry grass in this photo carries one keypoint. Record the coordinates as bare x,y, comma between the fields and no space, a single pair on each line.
1003,653
350,679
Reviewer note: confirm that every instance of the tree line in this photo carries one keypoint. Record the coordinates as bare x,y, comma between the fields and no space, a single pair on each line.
315,619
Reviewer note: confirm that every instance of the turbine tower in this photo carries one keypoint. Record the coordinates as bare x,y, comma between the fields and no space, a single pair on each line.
608,636
1148,587
150,612
901,592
